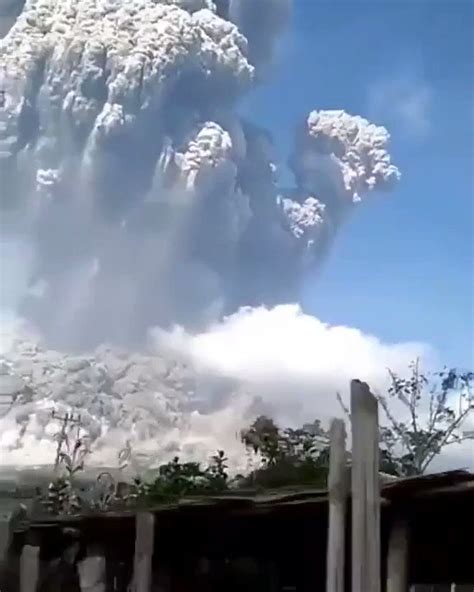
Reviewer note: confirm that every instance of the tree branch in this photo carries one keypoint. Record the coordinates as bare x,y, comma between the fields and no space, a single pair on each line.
394,422
343,405
445,441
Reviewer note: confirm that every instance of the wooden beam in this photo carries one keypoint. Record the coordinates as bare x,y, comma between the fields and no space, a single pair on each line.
144,540
29,568
365,490
338,491
397,560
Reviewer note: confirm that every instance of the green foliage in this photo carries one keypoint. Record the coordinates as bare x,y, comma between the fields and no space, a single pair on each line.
105,495
62,497
290,456
176,480
436,408
217,476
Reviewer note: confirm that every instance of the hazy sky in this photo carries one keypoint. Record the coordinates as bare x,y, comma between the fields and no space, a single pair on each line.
403,269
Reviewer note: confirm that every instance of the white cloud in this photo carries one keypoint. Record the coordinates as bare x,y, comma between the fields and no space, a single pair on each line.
402,102
293,361
297,364
279,361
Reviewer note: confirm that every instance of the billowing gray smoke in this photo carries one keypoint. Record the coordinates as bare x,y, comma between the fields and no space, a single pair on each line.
126,171
133,195
153,403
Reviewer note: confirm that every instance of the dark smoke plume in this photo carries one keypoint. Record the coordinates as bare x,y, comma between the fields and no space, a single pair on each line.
132,194
142,195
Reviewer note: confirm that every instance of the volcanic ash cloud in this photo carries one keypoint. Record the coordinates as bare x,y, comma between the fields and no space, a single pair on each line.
132,193
126,169
194,392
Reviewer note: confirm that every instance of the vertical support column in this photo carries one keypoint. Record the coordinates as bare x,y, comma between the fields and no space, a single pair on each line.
92,571
29,568
338,491
144,541
397,560
366,573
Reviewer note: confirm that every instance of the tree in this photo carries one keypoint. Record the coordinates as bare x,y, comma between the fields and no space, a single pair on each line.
437,408
290,456
176,480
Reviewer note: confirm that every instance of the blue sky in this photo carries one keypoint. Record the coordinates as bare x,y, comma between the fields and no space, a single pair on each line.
402,269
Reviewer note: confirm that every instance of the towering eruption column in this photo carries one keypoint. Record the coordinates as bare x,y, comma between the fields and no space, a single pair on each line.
126,171
132,194
338,160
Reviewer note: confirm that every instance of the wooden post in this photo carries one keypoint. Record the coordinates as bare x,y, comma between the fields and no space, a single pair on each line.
29,568
397,560
144,539
92,571
365,490
338,490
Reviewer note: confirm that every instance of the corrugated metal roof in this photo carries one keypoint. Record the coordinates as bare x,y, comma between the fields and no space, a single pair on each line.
422,483
454,482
